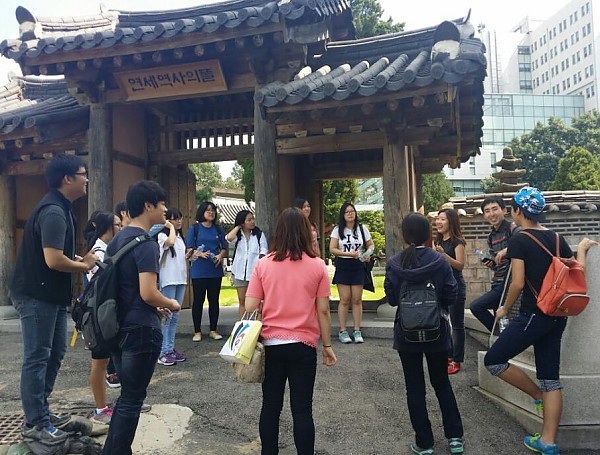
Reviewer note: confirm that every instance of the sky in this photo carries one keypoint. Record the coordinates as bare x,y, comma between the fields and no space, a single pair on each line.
496,15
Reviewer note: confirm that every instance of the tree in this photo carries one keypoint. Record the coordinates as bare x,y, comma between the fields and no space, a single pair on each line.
542,149
374,220
231,183
489,184
244,171
577,170
208,177
368,19
335,193
437,189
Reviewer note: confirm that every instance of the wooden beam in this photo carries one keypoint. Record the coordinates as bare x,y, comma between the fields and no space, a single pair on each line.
129,159
333,104
205,155
33,167
347,169
177,41
209,124
8,198
396,191
327,144
266,172
100,186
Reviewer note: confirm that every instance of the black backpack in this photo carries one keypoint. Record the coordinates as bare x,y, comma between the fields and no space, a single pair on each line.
258,237
419,312
95,312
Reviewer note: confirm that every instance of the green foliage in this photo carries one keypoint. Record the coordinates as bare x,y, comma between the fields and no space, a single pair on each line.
231,183
577,170
437,189
374,220
378,241
489,184
208,176
542,149
243,172
368,19
335,193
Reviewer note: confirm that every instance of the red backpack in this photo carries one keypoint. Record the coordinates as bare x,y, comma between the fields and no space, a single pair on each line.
564,290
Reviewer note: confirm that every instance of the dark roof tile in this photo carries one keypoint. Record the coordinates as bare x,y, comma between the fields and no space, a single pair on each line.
129,27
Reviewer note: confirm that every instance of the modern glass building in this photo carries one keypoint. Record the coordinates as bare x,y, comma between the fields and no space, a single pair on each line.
506,116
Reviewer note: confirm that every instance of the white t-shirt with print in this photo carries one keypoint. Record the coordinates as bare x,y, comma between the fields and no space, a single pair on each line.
351,241
173,269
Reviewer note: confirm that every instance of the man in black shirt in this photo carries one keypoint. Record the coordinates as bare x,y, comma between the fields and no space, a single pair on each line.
531,327
41,292
140,307
494,210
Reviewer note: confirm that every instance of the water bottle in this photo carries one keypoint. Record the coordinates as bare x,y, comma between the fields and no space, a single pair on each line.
503,323
198,250
365,255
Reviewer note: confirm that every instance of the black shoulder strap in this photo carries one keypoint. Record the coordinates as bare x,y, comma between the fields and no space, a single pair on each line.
129,246
362,232
196,228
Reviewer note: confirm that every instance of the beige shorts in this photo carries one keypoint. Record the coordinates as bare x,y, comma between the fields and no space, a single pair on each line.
240,283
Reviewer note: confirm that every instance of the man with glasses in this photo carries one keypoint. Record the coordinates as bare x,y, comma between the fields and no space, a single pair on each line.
41,292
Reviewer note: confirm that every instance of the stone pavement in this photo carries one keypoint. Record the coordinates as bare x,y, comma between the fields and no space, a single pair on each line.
199,408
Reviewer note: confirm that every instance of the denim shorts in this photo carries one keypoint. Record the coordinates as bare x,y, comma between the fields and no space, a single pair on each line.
542,332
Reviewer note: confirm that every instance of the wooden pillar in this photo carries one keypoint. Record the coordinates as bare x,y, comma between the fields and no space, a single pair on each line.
7,240
419,192
266,173
396,191
100,143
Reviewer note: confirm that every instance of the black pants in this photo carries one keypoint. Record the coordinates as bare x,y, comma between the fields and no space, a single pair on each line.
296,363
414,376
203,287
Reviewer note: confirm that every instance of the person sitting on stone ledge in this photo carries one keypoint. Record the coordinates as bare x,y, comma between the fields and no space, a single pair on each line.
531,327
494,211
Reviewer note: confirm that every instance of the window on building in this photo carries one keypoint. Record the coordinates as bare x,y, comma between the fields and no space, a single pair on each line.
591,70
493,159
523,50
570,19
573,58
574,79
589,28
560,27
575,16
585,52
586,72
561,46
587,92
564,24
583,32
583,11
592,91
587,7
577,36
572,39
578,56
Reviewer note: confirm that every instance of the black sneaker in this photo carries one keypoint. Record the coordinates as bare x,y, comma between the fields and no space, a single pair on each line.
49,435
112,380
59,421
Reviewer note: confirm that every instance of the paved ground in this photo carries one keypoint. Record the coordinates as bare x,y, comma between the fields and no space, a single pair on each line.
359,405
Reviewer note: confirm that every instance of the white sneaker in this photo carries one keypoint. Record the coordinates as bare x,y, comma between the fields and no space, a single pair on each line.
215,335
197,336
358,337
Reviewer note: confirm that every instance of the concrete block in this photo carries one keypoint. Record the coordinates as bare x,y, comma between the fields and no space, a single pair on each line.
579,394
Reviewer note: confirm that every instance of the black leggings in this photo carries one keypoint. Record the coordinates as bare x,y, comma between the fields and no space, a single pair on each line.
202,287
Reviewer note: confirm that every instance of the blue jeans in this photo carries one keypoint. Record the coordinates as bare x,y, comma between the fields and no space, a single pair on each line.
414,377
542,332
484,307
177,292
135,359
44,329
296,363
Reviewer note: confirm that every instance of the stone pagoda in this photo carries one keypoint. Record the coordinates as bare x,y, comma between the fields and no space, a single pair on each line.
509,175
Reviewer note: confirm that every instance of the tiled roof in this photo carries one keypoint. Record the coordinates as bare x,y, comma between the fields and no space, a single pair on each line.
111,27
229,207
31,101
387,63
556,201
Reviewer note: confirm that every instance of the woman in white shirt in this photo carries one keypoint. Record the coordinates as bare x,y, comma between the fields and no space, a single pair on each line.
250,246
351,245
172,279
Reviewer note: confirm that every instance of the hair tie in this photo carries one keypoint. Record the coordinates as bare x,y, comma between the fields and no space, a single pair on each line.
413,245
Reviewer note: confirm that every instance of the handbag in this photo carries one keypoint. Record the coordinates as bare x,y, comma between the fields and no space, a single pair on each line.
368,284
254,372
240,346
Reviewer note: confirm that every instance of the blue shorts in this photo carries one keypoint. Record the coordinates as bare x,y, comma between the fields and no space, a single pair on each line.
542,332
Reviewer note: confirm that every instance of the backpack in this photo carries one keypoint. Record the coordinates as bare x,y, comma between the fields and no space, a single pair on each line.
220,232
564,290
419,312
95,312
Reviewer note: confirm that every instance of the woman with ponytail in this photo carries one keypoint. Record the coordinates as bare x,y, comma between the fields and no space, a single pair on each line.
418,263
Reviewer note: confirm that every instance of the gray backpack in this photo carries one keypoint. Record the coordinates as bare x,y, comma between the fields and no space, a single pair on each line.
419,312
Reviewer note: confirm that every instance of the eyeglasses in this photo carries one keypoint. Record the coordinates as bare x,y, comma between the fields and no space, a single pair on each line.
348,212
210,210
83,174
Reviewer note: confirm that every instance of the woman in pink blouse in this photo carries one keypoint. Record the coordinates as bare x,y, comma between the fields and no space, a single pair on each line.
294,284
